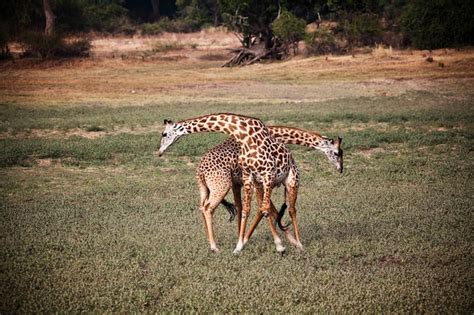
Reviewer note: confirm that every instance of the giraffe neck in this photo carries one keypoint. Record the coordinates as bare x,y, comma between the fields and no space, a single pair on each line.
289,135
243,129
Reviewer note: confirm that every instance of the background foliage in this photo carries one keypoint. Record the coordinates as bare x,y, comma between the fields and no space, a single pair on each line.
426,25
441,23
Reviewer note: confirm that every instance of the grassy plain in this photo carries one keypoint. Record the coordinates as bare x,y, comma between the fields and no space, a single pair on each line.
94,221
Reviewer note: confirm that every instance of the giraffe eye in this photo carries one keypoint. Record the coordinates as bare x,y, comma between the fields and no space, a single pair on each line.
164,134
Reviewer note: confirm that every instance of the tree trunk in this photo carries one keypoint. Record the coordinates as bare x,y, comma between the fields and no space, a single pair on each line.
155,5
48,13
216,12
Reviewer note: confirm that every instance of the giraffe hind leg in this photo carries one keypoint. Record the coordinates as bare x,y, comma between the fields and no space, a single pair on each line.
292,195
215,198
218,187
237,191
203,201
266,210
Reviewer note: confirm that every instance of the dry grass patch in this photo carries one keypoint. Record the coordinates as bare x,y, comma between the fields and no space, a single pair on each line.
380,51
117,82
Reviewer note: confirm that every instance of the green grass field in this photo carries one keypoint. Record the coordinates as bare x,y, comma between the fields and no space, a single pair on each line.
94,221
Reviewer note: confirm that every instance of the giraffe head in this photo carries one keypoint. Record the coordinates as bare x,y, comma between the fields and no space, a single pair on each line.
333,151
169,136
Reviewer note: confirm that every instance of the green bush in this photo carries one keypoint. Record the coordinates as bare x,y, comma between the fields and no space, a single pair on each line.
194,13
106,17
320,42
167,25
441,23
151,28
54,46
83,15
362,29
166,46
288,28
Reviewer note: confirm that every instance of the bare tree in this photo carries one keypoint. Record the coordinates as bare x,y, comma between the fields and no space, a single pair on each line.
48,12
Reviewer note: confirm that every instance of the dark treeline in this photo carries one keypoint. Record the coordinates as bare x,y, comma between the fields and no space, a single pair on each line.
422,24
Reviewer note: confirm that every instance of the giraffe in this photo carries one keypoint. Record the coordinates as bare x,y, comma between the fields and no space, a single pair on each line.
264,161
219,170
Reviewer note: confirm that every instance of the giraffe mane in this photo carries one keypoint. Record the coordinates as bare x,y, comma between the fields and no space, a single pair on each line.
301,130
216,114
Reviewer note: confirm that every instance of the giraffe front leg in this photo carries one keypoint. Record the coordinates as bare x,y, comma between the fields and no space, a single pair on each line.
254,225
237,191
259,215
266,210
245,213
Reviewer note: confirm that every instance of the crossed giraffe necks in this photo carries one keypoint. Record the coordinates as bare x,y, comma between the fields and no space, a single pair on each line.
291,135
219,171
248,132
258,157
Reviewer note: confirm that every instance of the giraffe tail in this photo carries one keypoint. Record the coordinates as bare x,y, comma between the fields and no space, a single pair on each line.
280,216
230,208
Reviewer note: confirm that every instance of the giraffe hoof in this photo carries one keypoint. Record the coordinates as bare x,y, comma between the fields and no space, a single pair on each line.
280,248
215,250
239,247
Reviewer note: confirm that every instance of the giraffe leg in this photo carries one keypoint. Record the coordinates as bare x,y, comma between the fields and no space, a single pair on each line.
203,195
287,232
203,192
259,215
266,210
245,212
237,191
216,189
210,232
258,218
292,195
254,225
